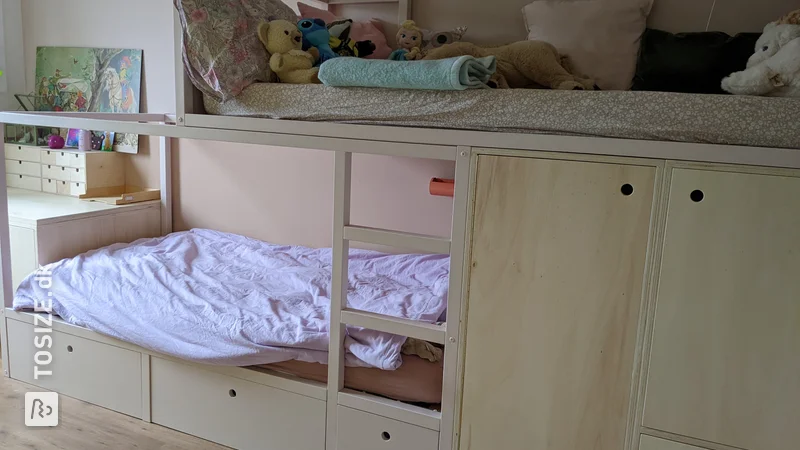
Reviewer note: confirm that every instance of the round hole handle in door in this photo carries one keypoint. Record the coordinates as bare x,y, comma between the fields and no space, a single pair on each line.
626,189
697,196
232,393
70,349
386,436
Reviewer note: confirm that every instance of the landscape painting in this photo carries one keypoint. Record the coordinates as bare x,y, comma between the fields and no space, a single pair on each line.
90,80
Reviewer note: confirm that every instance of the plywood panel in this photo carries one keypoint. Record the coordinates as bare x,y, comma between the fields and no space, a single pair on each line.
724,365
555,291
653,443
70,238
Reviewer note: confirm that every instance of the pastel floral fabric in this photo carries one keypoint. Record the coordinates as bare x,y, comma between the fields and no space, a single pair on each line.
221,50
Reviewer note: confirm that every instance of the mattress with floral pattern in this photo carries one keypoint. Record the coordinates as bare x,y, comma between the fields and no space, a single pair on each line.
662,116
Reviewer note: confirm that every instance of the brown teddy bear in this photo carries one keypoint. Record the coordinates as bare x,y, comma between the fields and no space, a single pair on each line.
522,64
285,42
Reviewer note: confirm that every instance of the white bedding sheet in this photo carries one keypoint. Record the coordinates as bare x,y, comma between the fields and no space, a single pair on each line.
220,298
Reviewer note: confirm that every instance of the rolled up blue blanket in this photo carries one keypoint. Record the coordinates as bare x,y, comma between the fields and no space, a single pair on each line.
452,74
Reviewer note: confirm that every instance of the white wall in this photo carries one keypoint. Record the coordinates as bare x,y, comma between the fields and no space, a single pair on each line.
14,67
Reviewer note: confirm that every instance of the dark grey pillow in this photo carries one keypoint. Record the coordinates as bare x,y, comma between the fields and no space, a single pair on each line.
690,62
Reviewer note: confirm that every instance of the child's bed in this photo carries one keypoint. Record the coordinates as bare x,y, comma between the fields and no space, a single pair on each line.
712,119
217,298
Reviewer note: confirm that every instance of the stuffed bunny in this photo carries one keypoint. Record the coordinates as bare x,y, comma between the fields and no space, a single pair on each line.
774,68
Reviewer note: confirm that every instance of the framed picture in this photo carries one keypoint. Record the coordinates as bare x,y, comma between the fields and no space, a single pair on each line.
73,137
108,141
90,80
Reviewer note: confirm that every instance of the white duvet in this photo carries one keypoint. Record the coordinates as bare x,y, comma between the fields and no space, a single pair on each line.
219,298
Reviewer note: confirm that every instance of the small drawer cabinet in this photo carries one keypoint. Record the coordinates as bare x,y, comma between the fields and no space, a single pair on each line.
64,172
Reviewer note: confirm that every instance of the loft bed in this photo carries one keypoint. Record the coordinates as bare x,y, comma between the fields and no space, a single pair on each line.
324,412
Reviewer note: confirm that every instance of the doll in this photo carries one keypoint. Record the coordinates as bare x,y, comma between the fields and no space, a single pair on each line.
409,39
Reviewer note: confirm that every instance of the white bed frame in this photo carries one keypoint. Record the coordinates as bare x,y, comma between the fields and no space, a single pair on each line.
344,140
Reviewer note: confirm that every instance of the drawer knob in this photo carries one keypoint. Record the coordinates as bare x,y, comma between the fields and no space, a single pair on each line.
386,436
20,162
626,189
697,196
20,176
232,393
70,349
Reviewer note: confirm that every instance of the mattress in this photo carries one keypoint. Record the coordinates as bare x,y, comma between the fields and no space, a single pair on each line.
416,381
713,119
219,298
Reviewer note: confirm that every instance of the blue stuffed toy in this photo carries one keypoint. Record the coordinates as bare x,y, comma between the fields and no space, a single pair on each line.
316,34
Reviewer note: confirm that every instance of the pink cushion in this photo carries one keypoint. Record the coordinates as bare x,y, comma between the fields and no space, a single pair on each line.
360,31
601,37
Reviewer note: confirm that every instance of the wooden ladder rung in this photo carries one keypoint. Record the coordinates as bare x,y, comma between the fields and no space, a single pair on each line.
387,324
397,239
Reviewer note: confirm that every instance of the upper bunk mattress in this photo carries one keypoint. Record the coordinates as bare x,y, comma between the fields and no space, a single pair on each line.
713,119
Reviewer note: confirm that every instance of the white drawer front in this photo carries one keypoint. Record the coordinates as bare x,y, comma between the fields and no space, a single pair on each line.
49,156
50,185
234,412
20,167
359,430
56,172
24,182
77,175
101,374
70,188
70,159
22,152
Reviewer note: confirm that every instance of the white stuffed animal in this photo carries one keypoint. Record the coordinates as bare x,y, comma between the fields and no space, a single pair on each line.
774,69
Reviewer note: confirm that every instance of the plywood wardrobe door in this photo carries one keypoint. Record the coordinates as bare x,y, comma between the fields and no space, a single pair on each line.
558,257
725,358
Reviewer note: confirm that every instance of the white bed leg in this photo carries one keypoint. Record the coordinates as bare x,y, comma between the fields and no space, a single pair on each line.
165,157
5,258
341,250
447,433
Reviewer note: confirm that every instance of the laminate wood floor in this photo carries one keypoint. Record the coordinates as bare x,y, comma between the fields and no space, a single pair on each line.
83,427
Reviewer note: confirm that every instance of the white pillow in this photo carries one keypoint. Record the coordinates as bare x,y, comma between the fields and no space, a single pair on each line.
601,37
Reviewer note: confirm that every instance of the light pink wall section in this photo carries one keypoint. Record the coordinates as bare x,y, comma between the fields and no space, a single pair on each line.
285,195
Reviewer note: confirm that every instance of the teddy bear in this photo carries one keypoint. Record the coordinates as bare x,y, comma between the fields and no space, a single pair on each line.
774,68
522,64
284,42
